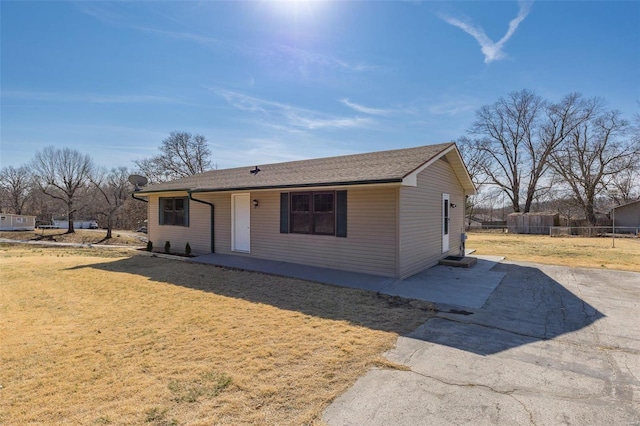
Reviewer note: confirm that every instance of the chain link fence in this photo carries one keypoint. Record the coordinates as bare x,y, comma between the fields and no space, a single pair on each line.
594,231
566,231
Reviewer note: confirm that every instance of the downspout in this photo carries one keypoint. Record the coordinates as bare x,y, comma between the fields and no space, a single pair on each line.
213,234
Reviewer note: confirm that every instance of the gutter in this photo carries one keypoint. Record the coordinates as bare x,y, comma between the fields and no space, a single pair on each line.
283,186
133,195
213,233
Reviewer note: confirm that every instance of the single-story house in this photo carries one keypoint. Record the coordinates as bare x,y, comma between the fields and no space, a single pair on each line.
627,215
17,222
391,213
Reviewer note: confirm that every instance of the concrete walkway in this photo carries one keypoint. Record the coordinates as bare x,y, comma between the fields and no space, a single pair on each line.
444,285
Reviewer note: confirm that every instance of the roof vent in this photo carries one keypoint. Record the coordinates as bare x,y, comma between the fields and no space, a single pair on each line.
254,171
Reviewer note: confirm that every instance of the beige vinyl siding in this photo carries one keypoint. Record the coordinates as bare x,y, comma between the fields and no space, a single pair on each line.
370,246
197,234
391,231
420,218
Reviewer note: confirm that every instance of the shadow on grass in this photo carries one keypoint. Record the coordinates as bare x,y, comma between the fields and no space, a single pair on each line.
368,309
58,236
528,305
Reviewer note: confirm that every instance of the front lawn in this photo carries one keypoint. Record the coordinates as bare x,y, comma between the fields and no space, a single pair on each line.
110,337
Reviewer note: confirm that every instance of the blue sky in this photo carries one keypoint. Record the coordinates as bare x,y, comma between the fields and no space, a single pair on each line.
273,81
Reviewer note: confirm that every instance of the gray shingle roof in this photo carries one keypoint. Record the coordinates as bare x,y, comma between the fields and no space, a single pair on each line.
373,167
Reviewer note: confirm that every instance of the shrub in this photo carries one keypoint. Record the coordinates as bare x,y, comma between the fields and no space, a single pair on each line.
167,247
187,249
149,246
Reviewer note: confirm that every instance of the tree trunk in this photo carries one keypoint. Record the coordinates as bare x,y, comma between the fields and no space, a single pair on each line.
589,209
71,214
591,216
515,201
109,226
528,202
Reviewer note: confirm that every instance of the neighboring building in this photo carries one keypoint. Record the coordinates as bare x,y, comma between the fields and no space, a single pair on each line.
17,222
77,224
627,215
391,213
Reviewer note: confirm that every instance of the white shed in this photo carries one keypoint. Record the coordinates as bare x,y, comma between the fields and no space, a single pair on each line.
17,222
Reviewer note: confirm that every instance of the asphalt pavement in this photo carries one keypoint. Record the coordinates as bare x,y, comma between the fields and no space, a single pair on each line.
551,346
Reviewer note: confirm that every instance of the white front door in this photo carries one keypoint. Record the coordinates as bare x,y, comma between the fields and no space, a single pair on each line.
446,217
241,222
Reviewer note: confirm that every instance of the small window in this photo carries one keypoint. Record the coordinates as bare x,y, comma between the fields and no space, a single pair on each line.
312,213
446,218
174,211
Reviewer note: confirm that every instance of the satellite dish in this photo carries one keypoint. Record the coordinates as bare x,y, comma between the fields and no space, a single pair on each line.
137,181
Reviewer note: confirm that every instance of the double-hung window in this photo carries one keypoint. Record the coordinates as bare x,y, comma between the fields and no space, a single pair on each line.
312,213
174,211
320,213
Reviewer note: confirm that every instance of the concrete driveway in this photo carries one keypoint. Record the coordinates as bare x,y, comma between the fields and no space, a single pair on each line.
551,346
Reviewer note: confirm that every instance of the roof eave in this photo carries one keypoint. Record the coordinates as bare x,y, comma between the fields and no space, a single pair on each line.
284,186
459,168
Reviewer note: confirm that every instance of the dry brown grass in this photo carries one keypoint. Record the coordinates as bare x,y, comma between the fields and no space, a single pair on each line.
132,339
567,251
81,236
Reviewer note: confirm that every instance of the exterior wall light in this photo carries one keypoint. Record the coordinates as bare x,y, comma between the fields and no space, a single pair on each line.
255,203
453,206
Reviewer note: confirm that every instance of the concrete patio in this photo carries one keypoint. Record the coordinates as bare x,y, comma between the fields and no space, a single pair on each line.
444,285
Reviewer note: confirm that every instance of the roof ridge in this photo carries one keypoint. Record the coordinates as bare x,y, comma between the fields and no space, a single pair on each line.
345,156
368,167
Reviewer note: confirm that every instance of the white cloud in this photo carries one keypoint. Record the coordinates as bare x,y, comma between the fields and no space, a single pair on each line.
305,59
284,116
374,111
180,35
491,51
451,108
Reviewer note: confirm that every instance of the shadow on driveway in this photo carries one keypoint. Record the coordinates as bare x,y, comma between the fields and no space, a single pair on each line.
528,306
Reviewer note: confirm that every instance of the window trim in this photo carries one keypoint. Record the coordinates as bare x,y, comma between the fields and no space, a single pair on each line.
162,211
312,214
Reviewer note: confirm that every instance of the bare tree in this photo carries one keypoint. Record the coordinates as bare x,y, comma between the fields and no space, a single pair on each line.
60,174
504,129
474,159
181,155
114,188
625,186
133,214
563,202
16,184
593,154
517,134
559,121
